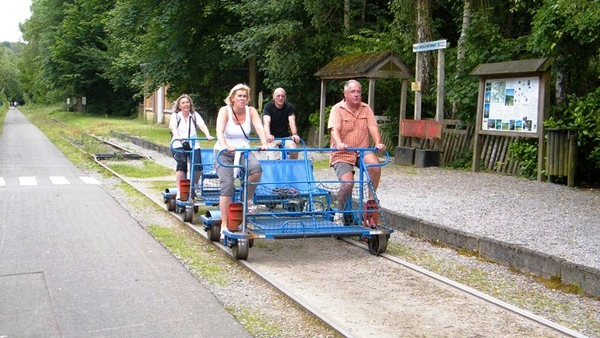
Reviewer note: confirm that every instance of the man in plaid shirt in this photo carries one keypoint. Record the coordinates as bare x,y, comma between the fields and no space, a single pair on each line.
351,121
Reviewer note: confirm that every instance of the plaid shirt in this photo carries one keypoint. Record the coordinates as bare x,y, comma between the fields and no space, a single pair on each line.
354,130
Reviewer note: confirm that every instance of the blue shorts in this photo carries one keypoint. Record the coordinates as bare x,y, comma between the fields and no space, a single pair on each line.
181,157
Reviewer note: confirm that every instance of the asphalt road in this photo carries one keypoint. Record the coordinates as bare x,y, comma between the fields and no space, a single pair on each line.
73,263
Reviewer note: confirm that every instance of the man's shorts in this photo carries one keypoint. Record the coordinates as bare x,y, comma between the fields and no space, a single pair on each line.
277,144
342,168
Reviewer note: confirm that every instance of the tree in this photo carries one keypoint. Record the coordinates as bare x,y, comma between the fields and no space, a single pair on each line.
67,50
180,45
125,30
36,65
570,32
9,84
290,41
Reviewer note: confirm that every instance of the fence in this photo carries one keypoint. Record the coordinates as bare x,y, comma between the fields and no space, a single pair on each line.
561,155
457,142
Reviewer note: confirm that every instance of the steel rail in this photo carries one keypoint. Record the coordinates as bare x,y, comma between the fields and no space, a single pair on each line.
473,292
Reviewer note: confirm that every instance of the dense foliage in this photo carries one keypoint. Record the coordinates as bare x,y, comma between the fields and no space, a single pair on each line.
114,51
10,87
583,115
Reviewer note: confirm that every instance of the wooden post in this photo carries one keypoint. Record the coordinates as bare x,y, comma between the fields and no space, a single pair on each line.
572,136
543,115
439,111
322,114
479,121
402,111
418,78
550,156
252,75
371,98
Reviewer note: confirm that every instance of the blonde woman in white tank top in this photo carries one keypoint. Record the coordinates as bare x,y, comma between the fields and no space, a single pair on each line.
234,124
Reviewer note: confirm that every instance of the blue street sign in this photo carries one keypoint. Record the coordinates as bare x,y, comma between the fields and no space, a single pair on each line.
431,45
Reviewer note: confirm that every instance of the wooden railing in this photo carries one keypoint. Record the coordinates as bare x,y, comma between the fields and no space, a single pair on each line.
457,142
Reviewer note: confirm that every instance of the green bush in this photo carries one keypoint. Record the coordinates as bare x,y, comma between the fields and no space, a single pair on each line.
583,114
525,152
314,121
463,161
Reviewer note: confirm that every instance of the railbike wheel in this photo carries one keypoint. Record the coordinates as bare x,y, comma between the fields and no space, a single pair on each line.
171,204
240,251
214,232
188,215
378,244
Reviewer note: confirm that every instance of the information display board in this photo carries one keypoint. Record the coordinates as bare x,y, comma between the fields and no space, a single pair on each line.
511,105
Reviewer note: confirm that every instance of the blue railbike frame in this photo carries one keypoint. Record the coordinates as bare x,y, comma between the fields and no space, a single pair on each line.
303,230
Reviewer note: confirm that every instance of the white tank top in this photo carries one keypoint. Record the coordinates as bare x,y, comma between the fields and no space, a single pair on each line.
233,132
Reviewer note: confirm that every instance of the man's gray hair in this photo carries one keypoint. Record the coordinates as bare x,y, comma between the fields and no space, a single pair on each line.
347,84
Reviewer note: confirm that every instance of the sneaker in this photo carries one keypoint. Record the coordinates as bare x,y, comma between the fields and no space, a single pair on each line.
338,218
252,208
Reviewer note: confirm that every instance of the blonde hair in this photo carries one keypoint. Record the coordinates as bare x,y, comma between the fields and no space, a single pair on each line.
240,86
184,96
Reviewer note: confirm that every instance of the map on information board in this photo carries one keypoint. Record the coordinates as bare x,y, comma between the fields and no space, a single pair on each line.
511,105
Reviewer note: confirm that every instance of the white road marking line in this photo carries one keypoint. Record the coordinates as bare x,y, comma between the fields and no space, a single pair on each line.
27,180
56,180
89,180
59,180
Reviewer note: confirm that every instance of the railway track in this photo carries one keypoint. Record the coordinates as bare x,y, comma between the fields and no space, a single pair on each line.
270,266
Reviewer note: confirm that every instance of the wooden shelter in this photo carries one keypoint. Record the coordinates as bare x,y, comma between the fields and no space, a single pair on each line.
371,66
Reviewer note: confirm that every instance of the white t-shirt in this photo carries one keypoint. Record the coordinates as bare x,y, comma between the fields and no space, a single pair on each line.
186,128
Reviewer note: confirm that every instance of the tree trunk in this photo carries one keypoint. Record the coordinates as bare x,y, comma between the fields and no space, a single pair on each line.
460,50
347,16
363,10
563,85
424,35
462,40
252,81
561,88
